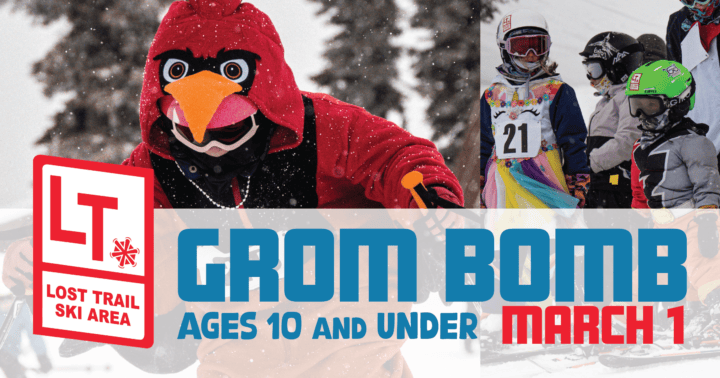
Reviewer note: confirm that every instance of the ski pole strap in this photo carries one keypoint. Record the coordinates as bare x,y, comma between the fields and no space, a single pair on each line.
442,202
424,197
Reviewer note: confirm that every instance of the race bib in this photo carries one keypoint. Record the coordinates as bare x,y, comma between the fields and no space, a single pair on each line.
519,138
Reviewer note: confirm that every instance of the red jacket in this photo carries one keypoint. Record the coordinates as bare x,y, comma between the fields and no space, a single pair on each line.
360,158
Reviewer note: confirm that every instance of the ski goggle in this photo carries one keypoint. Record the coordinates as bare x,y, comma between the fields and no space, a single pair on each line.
522,45
595,70
650,106
227,138
693,3
697,14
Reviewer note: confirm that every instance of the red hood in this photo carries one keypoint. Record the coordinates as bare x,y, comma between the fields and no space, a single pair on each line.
207,26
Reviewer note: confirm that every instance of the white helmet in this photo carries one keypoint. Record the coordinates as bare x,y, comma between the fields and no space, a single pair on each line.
516,20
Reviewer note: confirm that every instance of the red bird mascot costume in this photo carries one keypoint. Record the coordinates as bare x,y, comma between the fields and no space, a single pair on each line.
225,126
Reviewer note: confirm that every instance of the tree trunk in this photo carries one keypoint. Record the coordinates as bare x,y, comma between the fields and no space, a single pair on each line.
467,164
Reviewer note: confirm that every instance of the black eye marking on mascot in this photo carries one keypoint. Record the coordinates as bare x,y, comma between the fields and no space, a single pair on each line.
238,66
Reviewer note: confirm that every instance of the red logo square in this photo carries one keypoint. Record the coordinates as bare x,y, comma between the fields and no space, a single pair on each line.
635,82
93,251
507,23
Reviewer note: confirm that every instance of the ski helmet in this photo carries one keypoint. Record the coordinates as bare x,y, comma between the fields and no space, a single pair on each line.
520,32
706,15
614,55
660,89
655,48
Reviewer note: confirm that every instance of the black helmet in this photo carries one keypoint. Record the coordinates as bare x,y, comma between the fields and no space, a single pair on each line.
655,48
619,55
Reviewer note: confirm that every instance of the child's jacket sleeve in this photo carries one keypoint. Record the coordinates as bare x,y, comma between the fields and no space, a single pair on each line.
618,149
639,201
570,130
698,154
487,140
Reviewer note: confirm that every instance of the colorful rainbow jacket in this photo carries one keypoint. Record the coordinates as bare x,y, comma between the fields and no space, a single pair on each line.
533,134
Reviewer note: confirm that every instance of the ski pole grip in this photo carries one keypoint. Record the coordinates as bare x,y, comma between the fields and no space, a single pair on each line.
413,182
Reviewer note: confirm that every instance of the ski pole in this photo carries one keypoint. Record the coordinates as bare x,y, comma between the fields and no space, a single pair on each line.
13,313
425,200
20,296
413,182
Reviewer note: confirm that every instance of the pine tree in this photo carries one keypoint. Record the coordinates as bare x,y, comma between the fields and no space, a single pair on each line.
449,70
101,61
488,9
362,59
468,162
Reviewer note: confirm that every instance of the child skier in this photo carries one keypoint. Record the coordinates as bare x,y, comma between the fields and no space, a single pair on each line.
609,58
686,176
692,39
530,123
674,167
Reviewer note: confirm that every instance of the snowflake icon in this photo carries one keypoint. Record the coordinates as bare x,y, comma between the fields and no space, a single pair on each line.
124,253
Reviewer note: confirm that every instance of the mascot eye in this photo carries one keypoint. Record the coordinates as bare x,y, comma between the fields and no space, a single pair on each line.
174,69
236,70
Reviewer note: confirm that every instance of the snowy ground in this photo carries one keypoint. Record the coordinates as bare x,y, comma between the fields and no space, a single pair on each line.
529,369
572,23
426,358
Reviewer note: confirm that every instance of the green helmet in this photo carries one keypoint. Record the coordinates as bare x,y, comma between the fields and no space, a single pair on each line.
668,80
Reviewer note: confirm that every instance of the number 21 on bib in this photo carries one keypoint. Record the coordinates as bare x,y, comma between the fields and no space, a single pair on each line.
519,138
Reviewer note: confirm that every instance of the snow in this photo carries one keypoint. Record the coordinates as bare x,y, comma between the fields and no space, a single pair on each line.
426,358
9,215
572,23
98,362
530,369
26,113
441,358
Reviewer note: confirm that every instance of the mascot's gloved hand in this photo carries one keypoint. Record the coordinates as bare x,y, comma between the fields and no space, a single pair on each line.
440,195
18,267
578,186
707,236
482,188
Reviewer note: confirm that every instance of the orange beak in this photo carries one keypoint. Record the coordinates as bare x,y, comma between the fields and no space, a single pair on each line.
199,96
